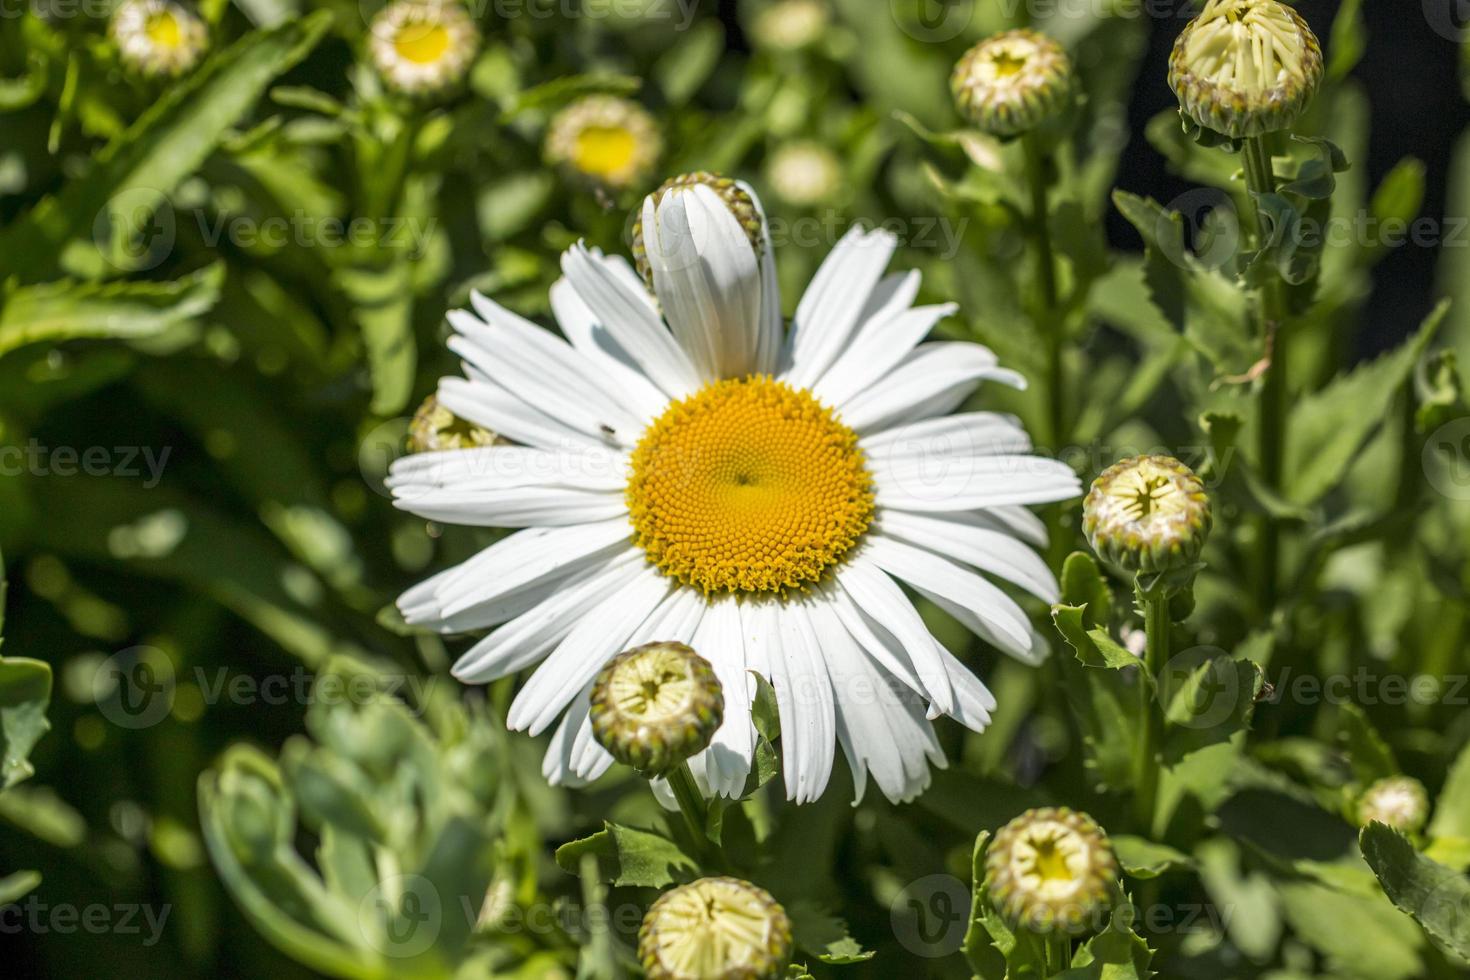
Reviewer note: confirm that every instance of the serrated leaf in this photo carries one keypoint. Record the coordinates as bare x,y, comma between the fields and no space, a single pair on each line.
1094,647
1435,896
1143,858
1209,704
1367,752
1326,429
61,311
824,935
1084,585
25,691
628,856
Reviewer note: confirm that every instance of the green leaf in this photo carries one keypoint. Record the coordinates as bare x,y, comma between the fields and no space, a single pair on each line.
1210,703
1452,808
1357,935
1143,858
1347,41
988,941
382,299
61,311
1083,585
1116,953
89,226
16,886
25,691
1326,429
1368,754
627,856
824,935
1094,647
1435,896
687,65
552,95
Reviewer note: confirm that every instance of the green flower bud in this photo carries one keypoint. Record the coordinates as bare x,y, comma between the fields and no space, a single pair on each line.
604,141
1012,82
1147,514
158,38
1398,801
435,427
1245,67
735,197
1051,870
715,929
804,173
655,706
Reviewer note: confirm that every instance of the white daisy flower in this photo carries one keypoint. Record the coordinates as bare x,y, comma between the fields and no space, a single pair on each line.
687,471
158,37
422,47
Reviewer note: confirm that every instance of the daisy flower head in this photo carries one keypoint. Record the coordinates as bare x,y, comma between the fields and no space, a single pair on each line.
1398,801
1012,82
604,140
686,470
423,47
715,929
158,37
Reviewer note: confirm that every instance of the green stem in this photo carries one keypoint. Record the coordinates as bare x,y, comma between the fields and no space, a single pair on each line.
1270,424
693,808
1151,718
1059,953
1049,323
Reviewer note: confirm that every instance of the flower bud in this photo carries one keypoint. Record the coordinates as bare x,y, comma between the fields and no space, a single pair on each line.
715,929
435,427
423,47
804,174
1012,82
1245,67
655,706
158,37
1051,870
732,194
1398,801
605,141
1147,514
790,25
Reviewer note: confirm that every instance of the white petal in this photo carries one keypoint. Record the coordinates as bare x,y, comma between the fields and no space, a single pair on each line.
830,309
530,636
880,598
708,278
966,483
772,331
558,766
879,644
969,434
879,347
486,403
502,467
632,323
640,395
515,506
983,608
880,723
985,548
804,699
932,379
721,640
591,643
973,700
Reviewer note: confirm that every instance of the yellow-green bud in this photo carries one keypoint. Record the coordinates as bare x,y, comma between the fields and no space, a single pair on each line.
158,38
1012,82
605,141
655,706
730,192
1147,514
435,427
423,47
1245,67
715,929
1398,801
1051,870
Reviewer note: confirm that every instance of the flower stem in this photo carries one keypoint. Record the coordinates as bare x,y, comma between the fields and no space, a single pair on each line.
1271,410
692,806
1049,323
1151,718
1058,954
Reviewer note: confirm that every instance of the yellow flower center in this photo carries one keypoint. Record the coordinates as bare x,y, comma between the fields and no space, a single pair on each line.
163,30
1006,64
748,485
421,43
604,151
1051,861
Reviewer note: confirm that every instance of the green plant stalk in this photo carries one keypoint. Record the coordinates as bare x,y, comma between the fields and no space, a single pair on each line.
693,808
1058,953
1270,423
1151,711
1050,324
